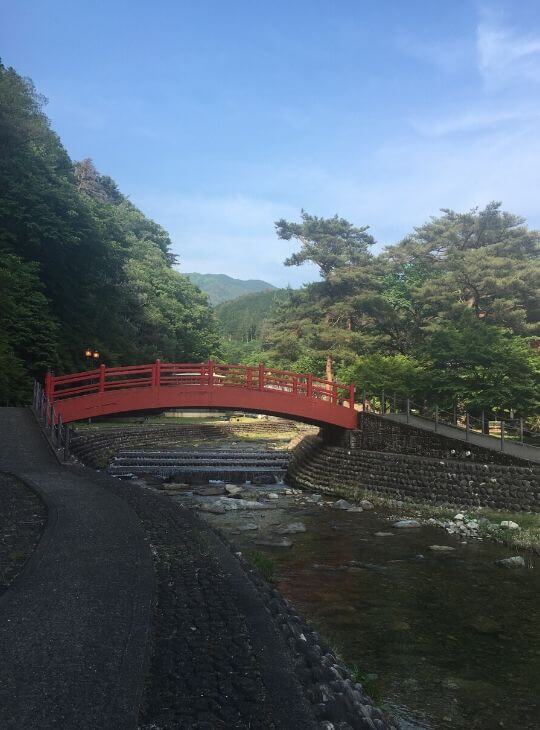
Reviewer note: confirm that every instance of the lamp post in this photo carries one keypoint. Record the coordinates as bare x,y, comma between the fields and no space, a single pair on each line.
92,356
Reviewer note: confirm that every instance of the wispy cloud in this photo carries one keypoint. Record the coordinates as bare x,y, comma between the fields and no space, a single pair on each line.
473,121
505,55
231,234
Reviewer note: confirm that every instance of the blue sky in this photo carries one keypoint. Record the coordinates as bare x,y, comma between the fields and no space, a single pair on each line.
218,118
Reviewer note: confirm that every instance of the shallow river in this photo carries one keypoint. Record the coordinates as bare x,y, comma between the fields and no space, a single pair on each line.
442,640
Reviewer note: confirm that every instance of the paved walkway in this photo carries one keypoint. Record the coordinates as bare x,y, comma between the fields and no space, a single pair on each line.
74,625
488,442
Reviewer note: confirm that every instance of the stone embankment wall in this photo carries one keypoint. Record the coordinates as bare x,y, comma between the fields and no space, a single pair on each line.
97,447
460,480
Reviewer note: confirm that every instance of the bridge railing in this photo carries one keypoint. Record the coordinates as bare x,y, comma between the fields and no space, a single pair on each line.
207,374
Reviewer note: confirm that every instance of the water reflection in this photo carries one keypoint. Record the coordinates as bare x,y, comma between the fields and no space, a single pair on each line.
448,640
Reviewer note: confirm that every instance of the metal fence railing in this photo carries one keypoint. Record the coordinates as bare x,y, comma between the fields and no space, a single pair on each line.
58,433
505,429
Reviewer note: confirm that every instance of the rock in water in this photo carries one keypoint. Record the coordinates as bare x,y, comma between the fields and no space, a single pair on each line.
384,534
355,509
248,526
211,491
342,504
272,495
214,507
274,541
406,523
441,548
514,562
232,489
366,504
291,528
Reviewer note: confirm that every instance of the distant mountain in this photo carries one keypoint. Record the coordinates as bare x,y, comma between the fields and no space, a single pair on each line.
222,288
241,318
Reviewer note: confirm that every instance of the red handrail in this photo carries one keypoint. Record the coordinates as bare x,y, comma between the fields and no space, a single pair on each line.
205,374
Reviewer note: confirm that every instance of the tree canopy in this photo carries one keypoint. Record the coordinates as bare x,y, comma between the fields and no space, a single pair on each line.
80,265
449,313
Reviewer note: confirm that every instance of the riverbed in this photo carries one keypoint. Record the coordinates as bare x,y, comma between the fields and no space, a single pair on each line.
440,639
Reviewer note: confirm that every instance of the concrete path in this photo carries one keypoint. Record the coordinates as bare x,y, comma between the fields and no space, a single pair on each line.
488,442
74,625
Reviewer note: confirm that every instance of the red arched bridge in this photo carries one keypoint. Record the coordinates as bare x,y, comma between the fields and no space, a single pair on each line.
107,391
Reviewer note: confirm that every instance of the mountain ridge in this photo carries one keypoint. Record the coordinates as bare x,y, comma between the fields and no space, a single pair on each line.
223,288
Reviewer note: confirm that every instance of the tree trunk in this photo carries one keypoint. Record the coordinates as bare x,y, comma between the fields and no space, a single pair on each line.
329,368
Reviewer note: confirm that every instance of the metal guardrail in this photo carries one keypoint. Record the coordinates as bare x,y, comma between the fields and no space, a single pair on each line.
505,430
58,434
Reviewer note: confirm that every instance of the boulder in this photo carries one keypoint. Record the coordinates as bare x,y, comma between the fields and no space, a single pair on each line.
510,525
516,561
291,528
248,527
342,504
214,507
406,524
366,504
233,489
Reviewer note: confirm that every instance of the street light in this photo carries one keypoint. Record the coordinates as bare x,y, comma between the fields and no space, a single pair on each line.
91,355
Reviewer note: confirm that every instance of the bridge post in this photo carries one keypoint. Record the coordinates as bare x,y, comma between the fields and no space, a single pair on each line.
351,396
210,373
249,377
156,374
261,376
102,378
309,386
48,384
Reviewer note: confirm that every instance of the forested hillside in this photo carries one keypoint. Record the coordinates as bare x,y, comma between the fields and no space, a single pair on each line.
448,314
80,266
222,288
241,321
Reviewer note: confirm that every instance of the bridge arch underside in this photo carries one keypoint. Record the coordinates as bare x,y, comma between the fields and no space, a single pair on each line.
316,412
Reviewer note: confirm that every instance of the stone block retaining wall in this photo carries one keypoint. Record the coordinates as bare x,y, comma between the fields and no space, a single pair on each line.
350,472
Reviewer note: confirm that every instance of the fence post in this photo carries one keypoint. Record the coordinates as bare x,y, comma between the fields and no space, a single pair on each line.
502,435
102,378
521,430
466,425
309,386
210,373
408,409
436,418
261,376
67,436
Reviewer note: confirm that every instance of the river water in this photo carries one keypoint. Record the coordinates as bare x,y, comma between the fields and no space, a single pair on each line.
443,640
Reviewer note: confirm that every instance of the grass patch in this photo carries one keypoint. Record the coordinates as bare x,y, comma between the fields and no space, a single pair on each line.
265,565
